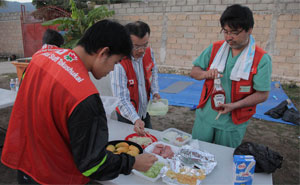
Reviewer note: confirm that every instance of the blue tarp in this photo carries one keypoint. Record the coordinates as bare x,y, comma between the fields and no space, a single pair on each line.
190,96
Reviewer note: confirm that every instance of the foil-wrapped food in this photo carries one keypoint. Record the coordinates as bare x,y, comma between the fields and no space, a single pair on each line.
194,158
177,173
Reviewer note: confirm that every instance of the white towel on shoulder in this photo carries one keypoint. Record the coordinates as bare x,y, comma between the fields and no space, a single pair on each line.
242,67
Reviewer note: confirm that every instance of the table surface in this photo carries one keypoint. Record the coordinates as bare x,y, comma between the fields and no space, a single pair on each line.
222,174
7,98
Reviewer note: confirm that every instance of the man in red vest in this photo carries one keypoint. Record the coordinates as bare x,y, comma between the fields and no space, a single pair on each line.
245,73
58,131
135,78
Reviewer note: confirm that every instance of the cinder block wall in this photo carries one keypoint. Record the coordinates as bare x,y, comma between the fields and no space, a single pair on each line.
11,41
182,29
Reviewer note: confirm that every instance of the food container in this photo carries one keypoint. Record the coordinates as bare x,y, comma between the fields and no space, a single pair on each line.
141,139
109,103
175,137
244,166
176,173
150,148
158,107
154,179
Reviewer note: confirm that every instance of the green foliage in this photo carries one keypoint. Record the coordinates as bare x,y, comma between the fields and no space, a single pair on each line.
64,4
2,3
78,23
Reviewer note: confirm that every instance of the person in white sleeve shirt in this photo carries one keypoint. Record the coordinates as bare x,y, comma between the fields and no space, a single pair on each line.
134,78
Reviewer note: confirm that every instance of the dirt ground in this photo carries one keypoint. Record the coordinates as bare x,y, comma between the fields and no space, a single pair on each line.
278,137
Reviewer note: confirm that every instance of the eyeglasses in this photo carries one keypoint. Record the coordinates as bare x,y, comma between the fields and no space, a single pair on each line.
231,33
136,47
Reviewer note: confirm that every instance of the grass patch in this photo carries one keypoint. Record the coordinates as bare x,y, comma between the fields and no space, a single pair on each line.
293,92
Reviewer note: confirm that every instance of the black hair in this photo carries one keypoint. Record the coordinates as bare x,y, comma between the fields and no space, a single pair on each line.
106,33
237,16
52,37
138,28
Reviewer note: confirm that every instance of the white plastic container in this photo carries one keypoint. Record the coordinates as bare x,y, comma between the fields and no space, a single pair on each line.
158,107
140,174
175,137
110,103
149,149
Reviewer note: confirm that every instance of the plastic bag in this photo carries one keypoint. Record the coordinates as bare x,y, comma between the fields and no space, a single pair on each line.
291,115
266,160
278,111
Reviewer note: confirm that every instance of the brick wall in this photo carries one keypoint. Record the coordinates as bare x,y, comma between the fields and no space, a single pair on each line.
182,29
11,35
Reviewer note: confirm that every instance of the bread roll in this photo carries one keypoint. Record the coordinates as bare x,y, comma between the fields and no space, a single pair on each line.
134,148
133,153
123,149
122,144
110,148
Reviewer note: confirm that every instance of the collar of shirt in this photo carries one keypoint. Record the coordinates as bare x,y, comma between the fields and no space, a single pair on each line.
138,59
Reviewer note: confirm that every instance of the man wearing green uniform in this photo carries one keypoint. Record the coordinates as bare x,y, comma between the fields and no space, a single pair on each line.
243,92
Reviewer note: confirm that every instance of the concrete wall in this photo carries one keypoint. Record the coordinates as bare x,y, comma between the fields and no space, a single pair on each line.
11,41
182,29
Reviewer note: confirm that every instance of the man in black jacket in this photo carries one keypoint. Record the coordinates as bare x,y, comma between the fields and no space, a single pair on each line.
58,130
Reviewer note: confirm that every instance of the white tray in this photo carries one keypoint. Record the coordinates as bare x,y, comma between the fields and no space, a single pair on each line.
174,141
150,148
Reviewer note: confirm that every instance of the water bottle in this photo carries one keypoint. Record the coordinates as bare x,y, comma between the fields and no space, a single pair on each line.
17,84
12,85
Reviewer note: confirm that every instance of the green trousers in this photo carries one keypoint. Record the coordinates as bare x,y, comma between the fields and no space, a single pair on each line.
205,132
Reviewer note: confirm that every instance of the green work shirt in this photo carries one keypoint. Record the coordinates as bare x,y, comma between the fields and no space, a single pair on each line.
261,82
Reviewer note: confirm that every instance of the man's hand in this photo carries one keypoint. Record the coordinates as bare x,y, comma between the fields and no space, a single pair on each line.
227,108
200,74
143,162
139,126
212,74
156,96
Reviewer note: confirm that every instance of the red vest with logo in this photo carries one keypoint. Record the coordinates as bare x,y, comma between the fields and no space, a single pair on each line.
46,48
132,83
240,115
37,140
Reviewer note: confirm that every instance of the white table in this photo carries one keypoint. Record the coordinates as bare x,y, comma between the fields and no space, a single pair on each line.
221,175
7,98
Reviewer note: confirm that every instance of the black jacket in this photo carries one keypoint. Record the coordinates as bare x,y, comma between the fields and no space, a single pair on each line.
88,131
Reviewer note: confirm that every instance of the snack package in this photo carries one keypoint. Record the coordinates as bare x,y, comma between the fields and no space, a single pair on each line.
243,169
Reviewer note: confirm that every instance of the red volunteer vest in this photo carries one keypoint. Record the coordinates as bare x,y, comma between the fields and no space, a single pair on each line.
37,140
132,83
46,48
238,115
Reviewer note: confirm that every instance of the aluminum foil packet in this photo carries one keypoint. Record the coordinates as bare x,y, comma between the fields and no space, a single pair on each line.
195,158
177,173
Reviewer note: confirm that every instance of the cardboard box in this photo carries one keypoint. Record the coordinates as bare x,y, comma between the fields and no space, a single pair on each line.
244,166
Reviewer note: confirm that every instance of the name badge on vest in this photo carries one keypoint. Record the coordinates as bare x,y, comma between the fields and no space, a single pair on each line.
245,88
131,82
